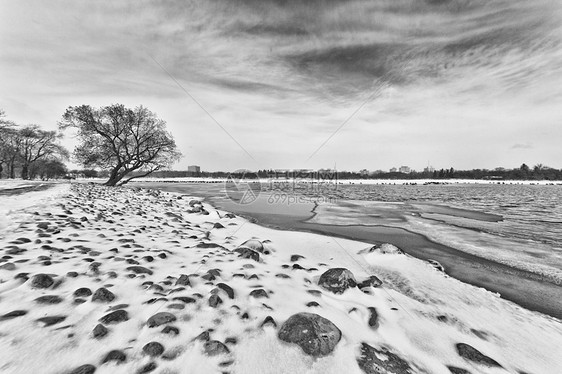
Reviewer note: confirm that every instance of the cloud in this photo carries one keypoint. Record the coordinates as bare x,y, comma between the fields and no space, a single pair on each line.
522,146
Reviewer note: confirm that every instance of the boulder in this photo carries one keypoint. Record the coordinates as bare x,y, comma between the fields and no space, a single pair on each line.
103,295
337,280
84,369
153,349
160,319
372,281
115,317
42,281
253,244
214,348
472,354
316,335
376,361
249,253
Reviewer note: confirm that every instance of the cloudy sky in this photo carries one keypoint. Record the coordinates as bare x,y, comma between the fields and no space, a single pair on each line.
311,83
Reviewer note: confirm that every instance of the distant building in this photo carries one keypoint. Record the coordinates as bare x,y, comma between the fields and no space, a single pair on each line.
405,169
393,170
429,169
193,170
364,172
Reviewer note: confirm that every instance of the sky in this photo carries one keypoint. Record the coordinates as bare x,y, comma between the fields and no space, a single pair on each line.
262,84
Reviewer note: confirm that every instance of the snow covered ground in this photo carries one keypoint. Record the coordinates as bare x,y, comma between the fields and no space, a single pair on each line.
130,248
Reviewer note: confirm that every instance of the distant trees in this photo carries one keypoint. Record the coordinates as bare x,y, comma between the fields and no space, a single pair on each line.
29,146
127,142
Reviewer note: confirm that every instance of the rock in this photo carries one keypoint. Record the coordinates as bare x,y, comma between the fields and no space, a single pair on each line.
51,320
49,299
372,281
312,304
72,274
259,293
183,280
99,331
268,321
226,288
253,244
337,280
316,335
373,317
171,330
82,292
42,281
153,349
140,270
185,299
472,354
8,266
456,370
115,317
295,258
374,361
13,314
115,355
84,369
218,225
160,319
384,248
215,301
248,253
103,295
151,366
214,348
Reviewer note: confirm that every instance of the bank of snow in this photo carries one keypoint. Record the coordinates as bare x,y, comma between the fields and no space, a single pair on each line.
137,244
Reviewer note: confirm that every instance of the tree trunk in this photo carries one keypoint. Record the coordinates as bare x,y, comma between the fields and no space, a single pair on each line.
25,171
115,176
1,169
12,170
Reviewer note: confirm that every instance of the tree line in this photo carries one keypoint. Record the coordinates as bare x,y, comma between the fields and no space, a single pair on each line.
30,152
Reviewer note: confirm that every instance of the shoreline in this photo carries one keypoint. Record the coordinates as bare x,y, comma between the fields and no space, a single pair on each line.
533,291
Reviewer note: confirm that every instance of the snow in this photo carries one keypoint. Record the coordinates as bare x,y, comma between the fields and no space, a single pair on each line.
520,340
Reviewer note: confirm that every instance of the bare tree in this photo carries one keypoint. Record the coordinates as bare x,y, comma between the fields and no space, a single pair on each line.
36,144
129,142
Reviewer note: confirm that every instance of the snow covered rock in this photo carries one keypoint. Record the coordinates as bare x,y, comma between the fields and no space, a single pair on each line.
316,335
337,280
472,354
376,361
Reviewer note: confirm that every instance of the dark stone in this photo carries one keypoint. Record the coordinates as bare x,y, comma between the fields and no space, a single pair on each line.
253,244
153,349
84,369
312,304
372,281
151,366
13,314
51,320
183,280
115,317
72,274
259,293
248,253
185,299
205,336
456,370
42,281
160,319
103,295
214,348
171,330
316,335
337,280
375,361
268,321
215,301
472,354
140,270
115,355
218,225
373,317
296,258
99,331
82,292
49,299
226,288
